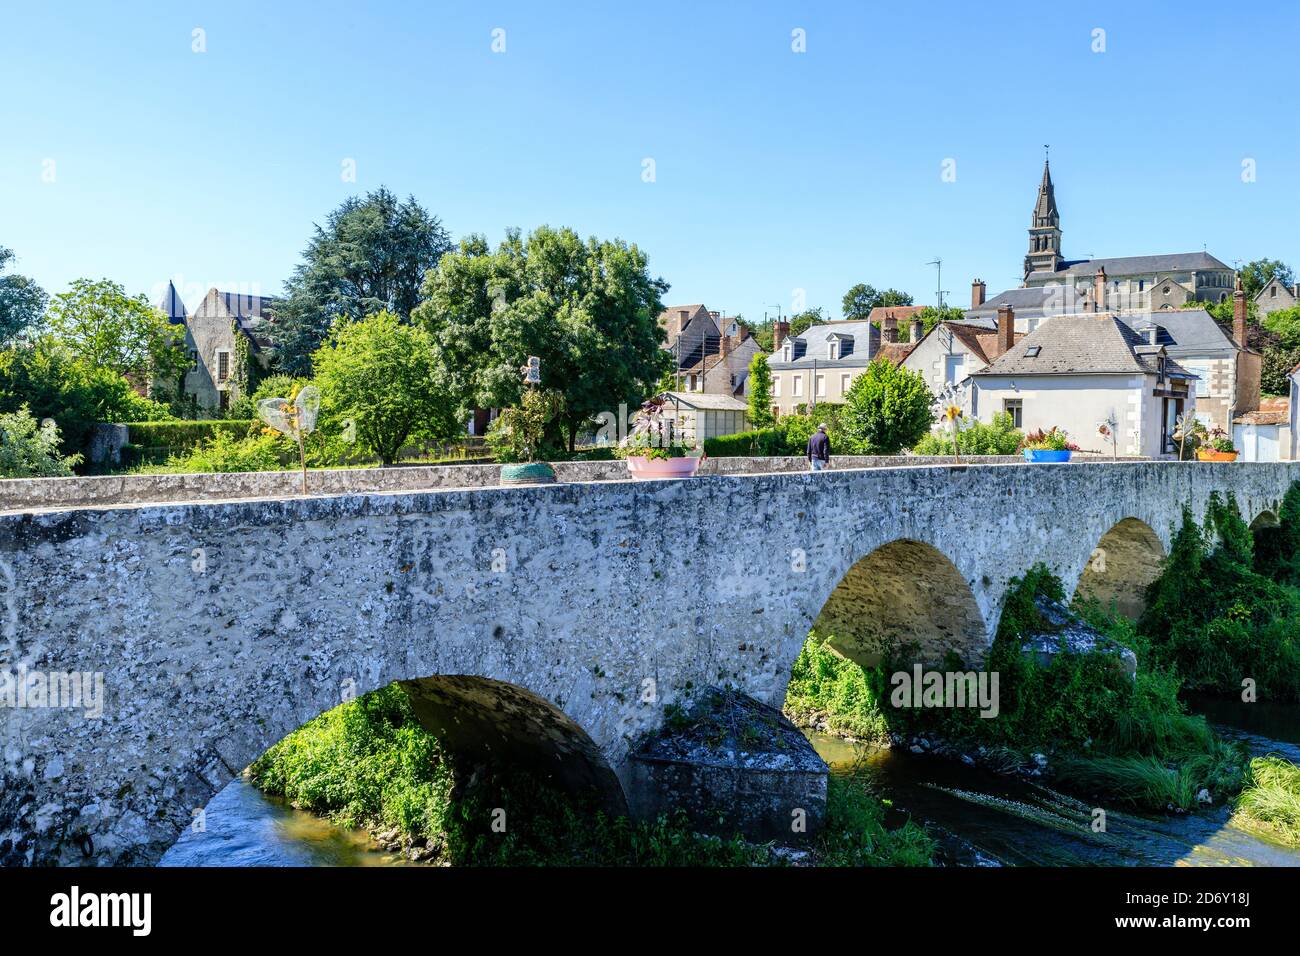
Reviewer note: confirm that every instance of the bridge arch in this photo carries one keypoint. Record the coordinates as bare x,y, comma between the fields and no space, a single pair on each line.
1127,558
905,595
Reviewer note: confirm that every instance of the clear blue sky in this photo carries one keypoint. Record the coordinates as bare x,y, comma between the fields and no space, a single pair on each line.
775,170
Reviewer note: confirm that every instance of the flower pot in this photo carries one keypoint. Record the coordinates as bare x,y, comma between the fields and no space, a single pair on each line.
1041,455
1206,454
529,473
647,469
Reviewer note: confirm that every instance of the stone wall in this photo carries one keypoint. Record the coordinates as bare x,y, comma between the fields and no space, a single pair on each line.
23,494
220,626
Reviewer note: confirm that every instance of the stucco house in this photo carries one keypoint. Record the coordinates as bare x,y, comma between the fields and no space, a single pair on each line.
820,364
1078,371
213,334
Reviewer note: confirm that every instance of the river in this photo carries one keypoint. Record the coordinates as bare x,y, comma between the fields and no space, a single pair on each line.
981,818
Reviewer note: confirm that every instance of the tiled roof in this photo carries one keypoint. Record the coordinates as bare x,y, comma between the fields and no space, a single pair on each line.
896,352
1089,342
982,343
1262,417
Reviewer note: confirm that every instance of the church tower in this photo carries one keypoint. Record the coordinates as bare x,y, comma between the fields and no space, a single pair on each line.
1044,229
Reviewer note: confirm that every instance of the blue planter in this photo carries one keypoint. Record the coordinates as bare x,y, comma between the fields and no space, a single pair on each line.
1045,455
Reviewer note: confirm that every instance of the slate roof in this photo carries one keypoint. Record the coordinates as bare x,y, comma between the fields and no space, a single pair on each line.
1186,332
1086,343
172,306
812,341
1138,265
1031,303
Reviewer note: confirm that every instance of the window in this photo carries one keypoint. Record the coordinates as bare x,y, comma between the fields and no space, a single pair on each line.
1015,407
819,386
785,354
776,386
797,381
845,382
223,366
690,385
1033,351
1272,290
194,360
834,350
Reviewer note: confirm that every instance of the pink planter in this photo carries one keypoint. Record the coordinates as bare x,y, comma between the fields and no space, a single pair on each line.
646,469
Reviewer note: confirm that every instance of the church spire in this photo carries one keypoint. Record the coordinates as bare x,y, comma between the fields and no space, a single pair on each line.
1044,229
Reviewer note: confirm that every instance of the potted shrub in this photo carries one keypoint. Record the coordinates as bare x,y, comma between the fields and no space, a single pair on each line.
654,449
1217,446
517,436
1048,446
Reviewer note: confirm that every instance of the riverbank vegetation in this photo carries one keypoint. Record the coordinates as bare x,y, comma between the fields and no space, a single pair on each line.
368,763
1270,801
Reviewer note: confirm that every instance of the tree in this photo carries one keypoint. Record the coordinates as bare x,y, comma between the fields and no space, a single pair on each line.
28,450
381,375
48,379
371,256
587,310
930,317
100,325
21,301
887,408
1259,273
760,392
862,298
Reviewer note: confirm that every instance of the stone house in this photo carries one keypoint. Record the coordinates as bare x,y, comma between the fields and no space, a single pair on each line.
711,353
1276,296
1078,371
951,351
223,336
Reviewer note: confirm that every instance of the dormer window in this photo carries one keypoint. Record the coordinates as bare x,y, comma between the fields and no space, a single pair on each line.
786,354
833,350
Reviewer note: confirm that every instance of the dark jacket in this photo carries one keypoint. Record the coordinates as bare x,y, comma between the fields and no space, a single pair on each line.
819,446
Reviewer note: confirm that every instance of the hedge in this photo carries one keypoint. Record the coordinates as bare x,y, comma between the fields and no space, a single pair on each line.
759,442
182,435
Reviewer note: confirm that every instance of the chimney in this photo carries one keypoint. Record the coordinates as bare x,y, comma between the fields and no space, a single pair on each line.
779,331
1239,312
683,316
1006,330
724,346
1099,290
889,328
977,290
918,330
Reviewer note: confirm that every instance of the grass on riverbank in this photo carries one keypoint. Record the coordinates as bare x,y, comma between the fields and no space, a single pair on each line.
368,763
1270,801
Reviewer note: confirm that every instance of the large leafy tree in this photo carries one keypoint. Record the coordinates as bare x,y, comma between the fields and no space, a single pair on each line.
887,408
21,300
587,310
862,298
1259,273
371,256
103,327
381,375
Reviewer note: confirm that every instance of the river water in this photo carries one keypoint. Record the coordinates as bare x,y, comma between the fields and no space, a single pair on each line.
981,818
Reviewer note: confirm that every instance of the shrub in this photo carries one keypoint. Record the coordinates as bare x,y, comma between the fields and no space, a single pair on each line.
224,453
1270,800
28,450
888,408
760,442
181,435
999,437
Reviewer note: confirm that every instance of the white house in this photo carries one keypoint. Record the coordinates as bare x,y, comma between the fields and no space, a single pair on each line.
951,351
1076,372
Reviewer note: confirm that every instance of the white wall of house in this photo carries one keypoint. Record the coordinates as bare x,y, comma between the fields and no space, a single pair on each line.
1078,404
942,360
1259,442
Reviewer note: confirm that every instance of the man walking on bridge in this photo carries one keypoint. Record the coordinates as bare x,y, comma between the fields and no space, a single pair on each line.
819,449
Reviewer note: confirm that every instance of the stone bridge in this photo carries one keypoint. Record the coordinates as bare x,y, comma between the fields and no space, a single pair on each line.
550,624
